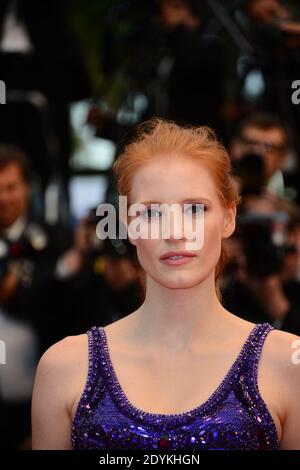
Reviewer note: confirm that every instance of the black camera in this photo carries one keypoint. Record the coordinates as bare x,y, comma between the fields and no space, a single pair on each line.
264,241
113,248
33,240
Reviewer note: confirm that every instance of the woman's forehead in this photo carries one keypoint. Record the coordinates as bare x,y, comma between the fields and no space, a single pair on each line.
175,182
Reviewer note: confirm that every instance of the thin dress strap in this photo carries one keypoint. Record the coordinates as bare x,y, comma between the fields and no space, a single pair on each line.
94,385
253,351
248,383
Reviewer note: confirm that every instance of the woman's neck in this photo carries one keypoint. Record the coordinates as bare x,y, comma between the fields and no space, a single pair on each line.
174,317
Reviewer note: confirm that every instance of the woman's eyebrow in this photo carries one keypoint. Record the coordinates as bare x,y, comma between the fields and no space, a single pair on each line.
197,199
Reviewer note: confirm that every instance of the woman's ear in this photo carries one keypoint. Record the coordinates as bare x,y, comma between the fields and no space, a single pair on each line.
132,240
229,221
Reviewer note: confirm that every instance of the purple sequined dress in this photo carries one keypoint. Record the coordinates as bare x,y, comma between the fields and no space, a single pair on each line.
234,417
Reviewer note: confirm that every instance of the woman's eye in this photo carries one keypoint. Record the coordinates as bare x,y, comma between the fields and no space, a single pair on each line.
150,213
191,209
195,209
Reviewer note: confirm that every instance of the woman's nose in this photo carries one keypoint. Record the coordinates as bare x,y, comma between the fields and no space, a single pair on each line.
173,225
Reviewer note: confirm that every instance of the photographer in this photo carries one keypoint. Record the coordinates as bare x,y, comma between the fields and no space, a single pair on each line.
274,32
262,274
96,279
195,85
278,17
266,135
263,257
28,247
28,252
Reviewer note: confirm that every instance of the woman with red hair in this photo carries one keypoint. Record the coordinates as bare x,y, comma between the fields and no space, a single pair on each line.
180,372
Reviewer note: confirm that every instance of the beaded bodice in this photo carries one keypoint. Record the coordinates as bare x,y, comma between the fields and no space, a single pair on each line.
235,416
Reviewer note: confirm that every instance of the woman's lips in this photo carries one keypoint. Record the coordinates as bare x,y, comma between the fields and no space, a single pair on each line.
178,260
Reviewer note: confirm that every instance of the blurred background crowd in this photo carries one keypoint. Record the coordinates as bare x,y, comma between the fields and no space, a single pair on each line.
79,77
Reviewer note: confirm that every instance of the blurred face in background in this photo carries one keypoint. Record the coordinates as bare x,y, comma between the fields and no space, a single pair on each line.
266,11
271,144
14,193
259,205
175,12
294,236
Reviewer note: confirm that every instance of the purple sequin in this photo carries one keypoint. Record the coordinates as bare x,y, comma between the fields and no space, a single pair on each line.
235,416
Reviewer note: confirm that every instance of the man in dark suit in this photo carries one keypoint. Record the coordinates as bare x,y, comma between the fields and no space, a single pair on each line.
29,250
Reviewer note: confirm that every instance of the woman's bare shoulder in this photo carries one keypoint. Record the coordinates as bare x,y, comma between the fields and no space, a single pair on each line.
58,376
282,360
66,349
280,346
282,350
64,362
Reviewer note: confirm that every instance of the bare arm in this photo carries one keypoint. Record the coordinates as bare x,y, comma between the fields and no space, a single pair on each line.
281,380
291,426
56,384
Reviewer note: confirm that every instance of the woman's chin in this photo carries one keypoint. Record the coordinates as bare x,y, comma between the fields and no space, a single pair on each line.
179,283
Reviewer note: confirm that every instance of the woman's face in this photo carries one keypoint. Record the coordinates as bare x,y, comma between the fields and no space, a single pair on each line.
181,181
